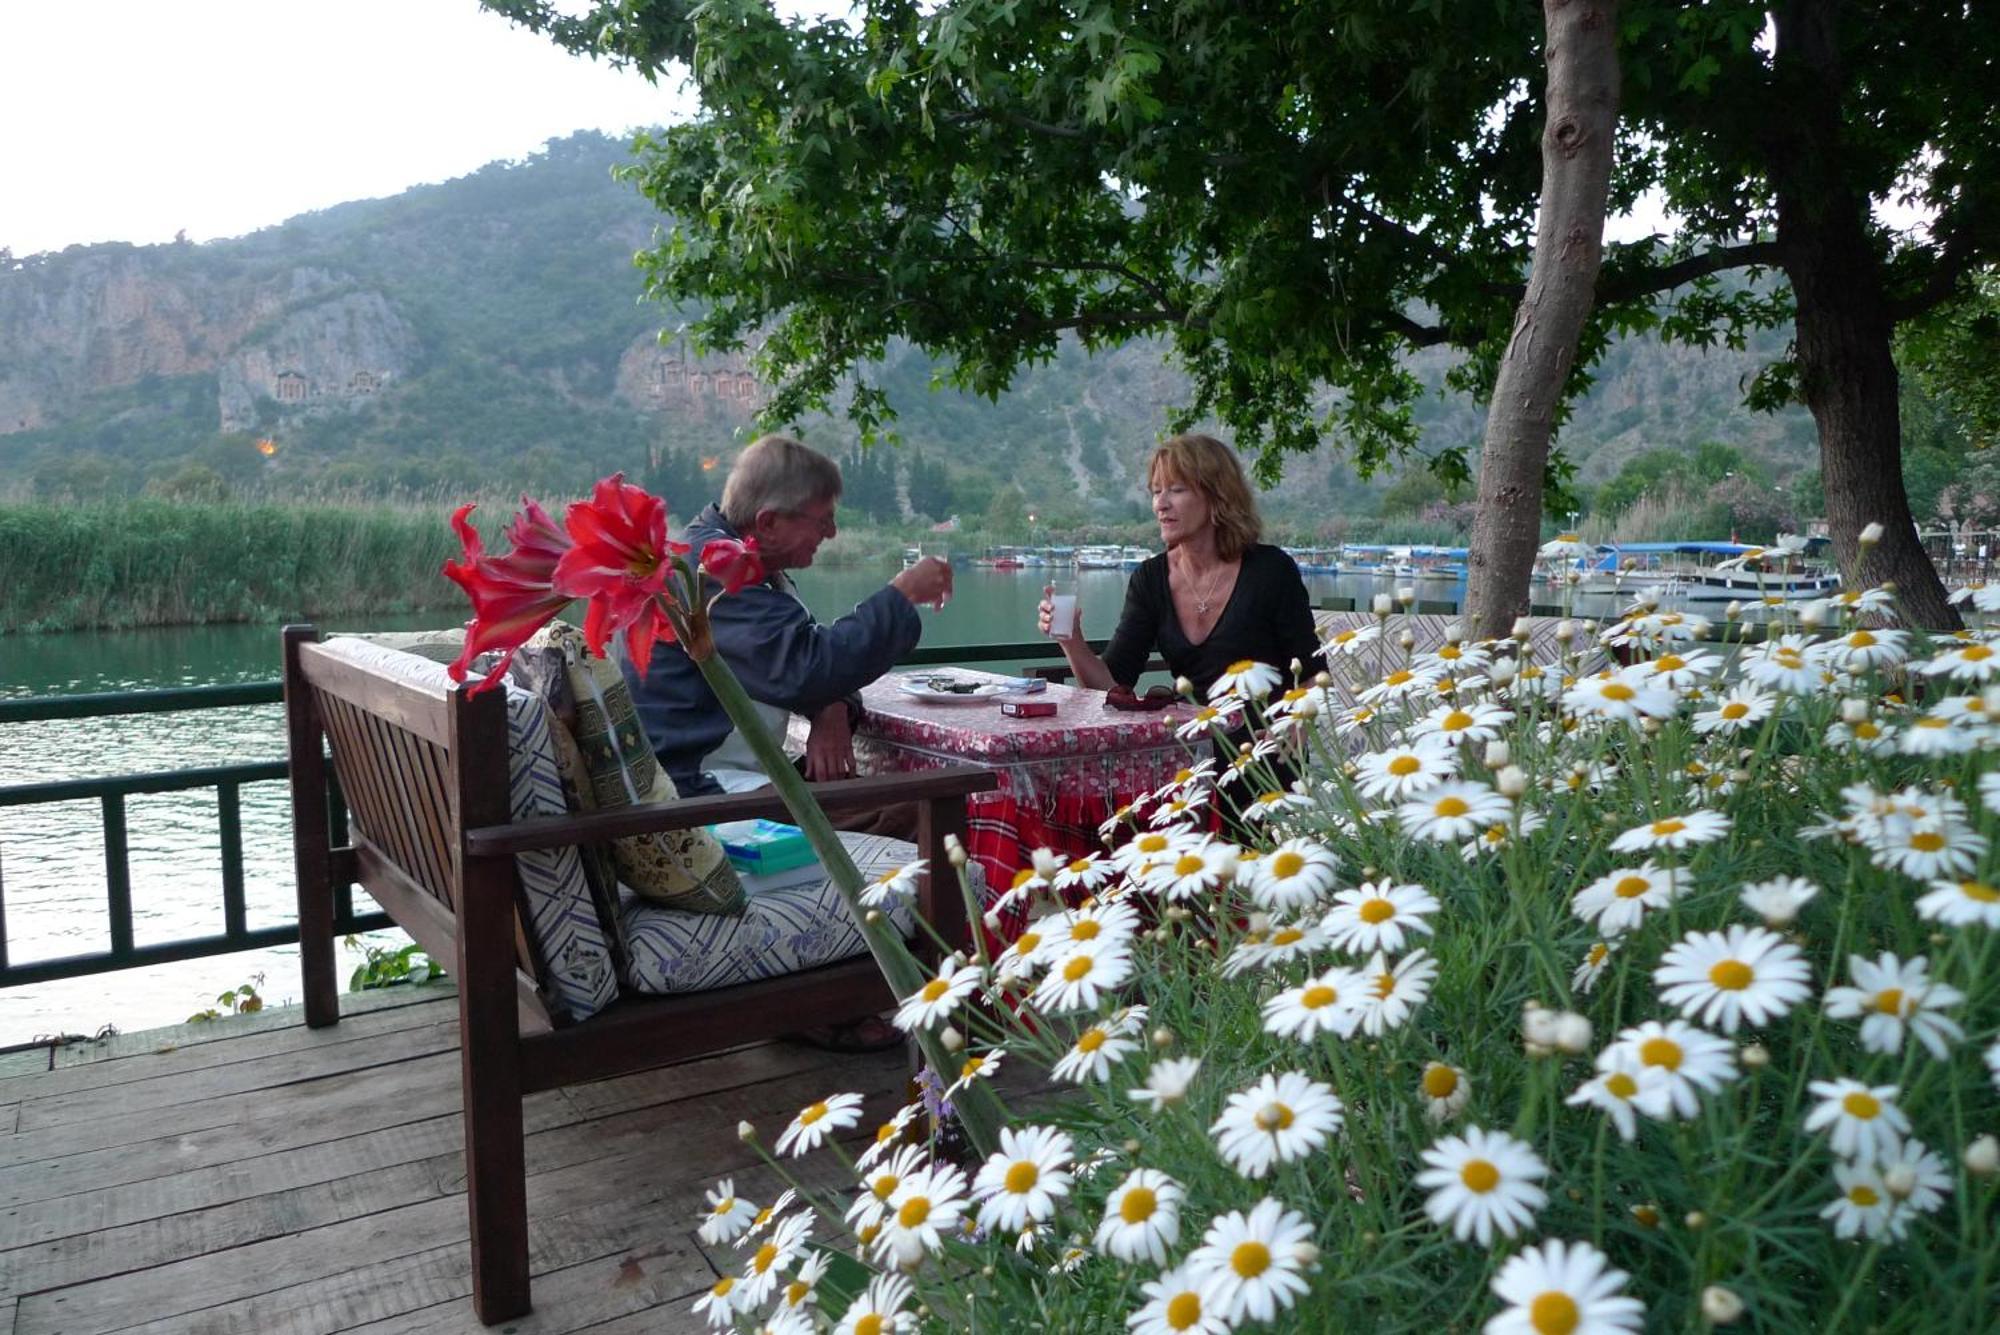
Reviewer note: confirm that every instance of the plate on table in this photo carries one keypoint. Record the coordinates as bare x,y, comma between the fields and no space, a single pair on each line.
943,688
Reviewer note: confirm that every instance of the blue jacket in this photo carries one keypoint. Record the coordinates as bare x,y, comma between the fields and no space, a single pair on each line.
781,654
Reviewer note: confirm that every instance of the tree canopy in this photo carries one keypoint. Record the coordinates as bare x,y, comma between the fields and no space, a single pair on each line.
1294,196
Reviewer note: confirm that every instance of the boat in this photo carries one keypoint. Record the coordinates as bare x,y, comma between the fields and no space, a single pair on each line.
1712,572
1100,558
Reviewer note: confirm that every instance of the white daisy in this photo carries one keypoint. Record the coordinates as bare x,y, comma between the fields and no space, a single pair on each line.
1023,956
1498,835
1085,873
1616,902
1350,639
1392,993
1376,915
1222,715
1939,735
1778,900
1926,850
1743,708
1621,1087
728,1214
1401,684
1293,876
1199,868
1280,945
1401,771
1864,1120
1867,736
1245,680
1961,903
1142,1218
1254,1264
1329,1003
1625,697
932,1003
1692,1059
1482,1182
879,1310
1916,1177
1894,995
778,1254
1080,978
1455,659
1563,1287
1022,1182
1149,848
816,1121
1166,1083
1278,1119
1864,1205
1445,1091
1594,961
1459,725
1696,827
878,1186
802,1290
1782,664
1095,924
924,1209
1740,973
889,1136
1175,1306
1974,660
976,1066
1276,802
1096,1050
722,1303
1453,811
895,883
1678,672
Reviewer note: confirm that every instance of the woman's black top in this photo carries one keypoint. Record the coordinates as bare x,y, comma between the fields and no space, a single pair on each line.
1268,619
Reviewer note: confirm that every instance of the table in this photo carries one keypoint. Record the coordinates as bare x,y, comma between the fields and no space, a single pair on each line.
1060,776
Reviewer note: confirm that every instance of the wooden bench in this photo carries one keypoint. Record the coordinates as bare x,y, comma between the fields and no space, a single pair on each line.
425,776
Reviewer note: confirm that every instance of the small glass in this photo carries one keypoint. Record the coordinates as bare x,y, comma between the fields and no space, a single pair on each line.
1062,608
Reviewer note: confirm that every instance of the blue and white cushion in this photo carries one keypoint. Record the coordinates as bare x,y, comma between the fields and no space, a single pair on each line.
781,931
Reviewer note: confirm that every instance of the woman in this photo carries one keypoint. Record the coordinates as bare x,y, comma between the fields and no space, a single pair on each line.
1216,596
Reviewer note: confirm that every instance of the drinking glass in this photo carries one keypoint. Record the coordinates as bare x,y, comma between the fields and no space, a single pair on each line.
1062,608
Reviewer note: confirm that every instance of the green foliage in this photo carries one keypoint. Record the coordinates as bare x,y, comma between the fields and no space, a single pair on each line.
155,561
243,999
382,966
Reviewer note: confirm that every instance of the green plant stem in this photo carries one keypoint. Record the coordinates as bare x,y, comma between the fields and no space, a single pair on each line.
979,1112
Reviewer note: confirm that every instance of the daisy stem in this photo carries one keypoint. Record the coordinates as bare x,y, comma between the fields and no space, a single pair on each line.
1853,1289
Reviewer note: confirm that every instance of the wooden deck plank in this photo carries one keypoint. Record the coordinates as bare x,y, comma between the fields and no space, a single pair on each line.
238,1079
233,1028
571,1222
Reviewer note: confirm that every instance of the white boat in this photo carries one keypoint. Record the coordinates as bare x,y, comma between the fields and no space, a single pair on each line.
1691,572
1100,558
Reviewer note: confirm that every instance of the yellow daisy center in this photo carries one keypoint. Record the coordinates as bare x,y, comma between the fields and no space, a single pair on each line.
1862,1105
1188,864
1152,843
885,1186
1287,864
1026,942
1138,1205
1927,841
1671,826
1250,1259
1440,1081
1598,954
1085,929
1889,1001
1318,996
1079,867
1456,721
1669,663
723,1286
1616,690
1240,665
934,989
1659,1051
1404,766
1021,1177
1862,1196
1287,936
766,1254
1375,911
1553,1313
1077,968
1974,653
1621,1085
1183,1311
1731,975
1631,887
1479,1176
1450,806
1385,985
725,1205
1023,876
1979,892
1398,677
795,1292
1734,710
1273,1117
812,1114
870,1324
915,1210
1090,1040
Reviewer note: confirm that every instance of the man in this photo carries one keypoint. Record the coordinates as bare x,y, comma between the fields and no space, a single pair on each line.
784,495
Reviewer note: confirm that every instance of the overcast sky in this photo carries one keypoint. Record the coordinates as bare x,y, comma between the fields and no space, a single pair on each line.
131,120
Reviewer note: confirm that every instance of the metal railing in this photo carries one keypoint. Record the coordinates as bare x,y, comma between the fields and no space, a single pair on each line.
228,782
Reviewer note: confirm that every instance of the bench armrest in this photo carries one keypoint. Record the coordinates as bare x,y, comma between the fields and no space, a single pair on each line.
864,794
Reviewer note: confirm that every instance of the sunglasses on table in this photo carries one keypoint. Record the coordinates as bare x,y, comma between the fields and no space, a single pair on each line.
1156,697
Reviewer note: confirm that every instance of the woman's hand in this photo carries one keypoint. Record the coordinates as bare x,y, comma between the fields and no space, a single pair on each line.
1046,609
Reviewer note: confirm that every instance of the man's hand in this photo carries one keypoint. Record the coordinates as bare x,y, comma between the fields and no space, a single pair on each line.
927,583
830,745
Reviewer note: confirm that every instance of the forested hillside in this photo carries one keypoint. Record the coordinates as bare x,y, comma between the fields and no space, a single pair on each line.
489,334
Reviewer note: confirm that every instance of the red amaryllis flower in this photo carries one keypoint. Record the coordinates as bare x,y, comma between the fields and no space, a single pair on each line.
736,563
620,562
513,596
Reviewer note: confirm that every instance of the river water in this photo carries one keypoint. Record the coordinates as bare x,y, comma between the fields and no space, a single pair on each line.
52,859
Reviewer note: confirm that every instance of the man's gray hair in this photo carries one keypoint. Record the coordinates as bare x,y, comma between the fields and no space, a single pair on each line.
777,473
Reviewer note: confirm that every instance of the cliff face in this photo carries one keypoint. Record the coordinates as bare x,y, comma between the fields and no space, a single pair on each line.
78,326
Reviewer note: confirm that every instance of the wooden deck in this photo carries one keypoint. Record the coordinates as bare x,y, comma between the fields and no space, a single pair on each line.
255,1176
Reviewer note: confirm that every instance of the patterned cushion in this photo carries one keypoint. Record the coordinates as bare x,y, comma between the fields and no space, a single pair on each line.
681,869
562,919
781,931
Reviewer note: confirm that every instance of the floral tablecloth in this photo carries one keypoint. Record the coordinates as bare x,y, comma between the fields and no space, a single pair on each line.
1060,776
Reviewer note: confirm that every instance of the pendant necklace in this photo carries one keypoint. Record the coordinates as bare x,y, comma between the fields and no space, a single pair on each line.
1201,598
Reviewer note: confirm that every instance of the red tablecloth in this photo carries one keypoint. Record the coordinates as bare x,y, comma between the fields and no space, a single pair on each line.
1060,776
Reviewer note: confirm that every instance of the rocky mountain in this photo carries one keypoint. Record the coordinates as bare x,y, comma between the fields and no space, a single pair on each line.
490,332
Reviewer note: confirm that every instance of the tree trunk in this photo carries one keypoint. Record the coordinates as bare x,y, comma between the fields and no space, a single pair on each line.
1569,247
1846,370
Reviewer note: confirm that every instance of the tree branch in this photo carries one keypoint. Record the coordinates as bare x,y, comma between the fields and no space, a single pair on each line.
1952,262
1628,284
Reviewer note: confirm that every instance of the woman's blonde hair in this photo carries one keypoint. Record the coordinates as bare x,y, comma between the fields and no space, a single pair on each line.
1209,466
776,473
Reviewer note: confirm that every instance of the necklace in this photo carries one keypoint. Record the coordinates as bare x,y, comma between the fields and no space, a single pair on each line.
1202,596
